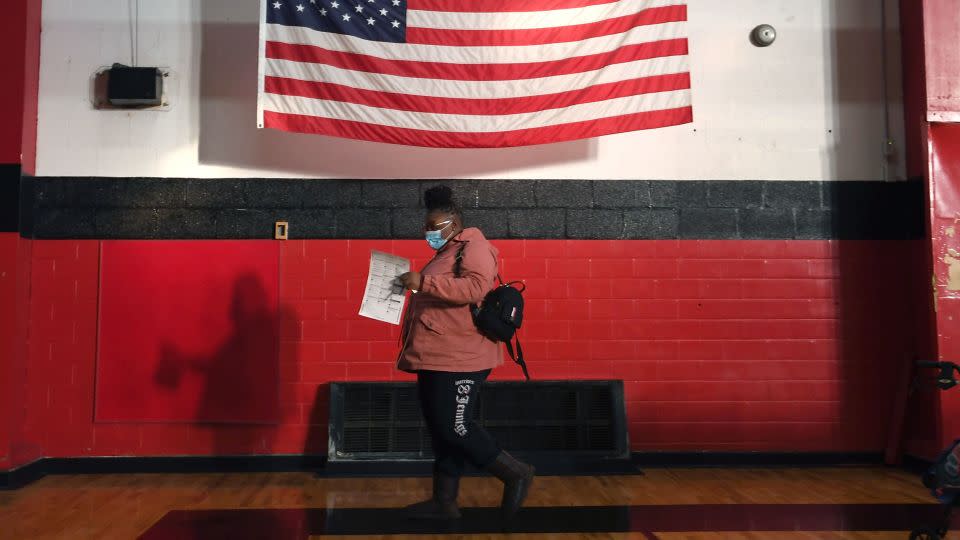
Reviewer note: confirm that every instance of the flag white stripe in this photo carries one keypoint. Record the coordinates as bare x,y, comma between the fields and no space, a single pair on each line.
474,55
531,19
476,89
455,123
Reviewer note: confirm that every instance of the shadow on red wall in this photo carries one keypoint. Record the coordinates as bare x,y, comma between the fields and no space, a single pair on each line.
234,369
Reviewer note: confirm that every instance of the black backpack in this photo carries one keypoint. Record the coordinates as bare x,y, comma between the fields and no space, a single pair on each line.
943,477
500,314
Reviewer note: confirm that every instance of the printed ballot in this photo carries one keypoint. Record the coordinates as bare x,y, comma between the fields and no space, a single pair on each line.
384,298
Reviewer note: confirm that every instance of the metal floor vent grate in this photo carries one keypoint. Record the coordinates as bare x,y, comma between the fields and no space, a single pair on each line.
370,421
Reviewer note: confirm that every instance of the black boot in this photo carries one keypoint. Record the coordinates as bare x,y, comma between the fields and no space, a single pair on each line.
443,505
517,478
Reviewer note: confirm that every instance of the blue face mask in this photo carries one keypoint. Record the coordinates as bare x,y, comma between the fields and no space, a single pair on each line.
435,238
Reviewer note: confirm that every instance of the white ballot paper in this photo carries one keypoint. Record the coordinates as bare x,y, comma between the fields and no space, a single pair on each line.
384,298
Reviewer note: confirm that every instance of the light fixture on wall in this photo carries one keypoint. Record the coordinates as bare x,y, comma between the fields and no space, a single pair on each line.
763,35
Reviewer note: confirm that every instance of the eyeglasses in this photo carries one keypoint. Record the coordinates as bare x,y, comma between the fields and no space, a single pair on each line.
437,226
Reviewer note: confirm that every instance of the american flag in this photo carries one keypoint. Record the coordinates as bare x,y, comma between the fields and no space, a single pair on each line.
473,73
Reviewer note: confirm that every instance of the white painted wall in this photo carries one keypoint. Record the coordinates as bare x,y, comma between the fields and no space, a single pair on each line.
811,107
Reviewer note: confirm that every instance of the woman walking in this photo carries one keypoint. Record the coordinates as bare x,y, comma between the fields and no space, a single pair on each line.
452,358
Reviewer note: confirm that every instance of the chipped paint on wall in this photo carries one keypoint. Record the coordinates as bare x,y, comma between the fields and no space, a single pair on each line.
952,260
947,243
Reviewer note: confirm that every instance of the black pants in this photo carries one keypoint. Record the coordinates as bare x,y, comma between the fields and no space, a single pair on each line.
448,401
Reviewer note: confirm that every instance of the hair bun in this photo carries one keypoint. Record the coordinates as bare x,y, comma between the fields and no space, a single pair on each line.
439,198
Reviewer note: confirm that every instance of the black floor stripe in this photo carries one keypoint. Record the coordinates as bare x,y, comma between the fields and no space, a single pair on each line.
648,520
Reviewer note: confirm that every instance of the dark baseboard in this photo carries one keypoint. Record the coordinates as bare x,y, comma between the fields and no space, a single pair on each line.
755,459
545,465
22,476
549,466
184,464
916,465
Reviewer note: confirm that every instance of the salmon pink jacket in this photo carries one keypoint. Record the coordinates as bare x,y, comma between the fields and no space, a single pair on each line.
438,330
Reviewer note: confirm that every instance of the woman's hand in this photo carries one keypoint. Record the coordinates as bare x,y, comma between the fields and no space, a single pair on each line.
410,280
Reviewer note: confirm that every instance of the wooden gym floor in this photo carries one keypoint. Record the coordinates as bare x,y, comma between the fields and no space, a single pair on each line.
664,504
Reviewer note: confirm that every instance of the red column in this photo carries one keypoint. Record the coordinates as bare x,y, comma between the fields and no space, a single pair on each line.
20,38
942,62
944,182
941,23
932,100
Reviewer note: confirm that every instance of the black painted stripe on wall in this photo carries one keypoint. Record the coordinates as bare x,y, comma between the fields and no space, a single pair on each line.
9,197
168,208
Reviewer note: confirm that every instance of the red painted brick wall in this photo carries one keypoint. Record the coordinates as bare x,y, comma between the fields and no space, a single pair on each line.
8,312
22,450
14,327
723,345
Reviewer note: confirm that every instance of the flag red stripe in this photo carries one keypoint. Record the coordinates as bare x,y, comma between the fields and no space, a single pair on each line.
406,102
499,6
474,72
541,36
443,139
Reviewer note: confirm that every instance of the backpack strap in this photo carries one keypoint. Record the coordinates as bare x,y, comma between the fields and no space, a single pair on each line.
518,357
458,263
523,286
